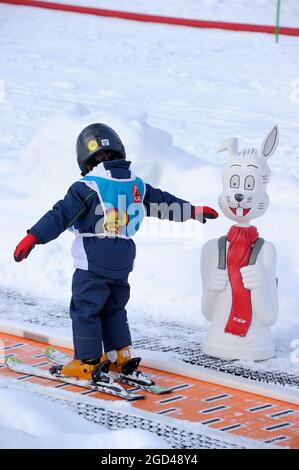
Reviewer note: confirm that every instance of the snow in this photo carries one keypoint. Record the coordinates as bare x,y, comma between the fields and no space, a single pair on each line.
174,94
31,422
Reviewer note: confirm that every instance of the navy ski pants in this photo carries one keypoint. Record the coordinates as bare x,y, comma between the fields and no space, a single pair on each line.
98,314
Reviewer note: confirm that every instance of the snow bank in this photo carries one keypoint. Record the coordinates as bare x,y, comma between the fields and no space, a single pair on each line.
30,422
49,161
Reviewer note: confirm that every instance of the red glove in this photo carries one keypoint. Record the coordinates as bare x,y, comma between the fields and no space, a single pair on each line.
202,213
24,247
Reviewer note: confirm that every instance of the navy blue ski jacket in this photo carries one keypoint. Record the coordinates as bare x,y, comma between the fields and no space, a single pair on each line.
109,257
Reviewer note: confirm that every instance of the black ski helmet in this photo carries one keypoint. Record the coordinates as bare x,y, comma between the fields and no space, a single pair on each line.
93,140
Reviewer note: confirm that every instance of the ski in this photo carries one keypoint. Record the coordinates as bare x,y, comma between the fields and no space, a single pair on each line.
132,377
15,364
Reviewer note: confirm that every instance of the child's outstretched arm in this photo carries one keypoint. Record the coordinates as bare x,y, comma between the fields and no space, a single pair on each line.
164,205
57,220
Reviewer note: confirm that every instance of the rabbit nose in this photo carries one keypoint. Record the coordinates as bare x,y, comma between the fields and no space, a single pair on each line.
239,197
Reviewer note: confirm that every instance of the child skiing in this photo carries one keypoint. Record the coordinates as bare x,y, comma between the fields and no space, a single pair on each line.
105,209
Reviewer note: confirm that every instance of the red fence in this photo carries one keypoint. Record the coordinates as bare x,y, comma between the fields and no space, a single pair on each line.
155,18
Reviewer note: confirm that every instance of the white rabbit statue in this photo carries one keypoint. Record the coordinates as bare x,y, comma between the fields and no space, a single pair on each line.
239,270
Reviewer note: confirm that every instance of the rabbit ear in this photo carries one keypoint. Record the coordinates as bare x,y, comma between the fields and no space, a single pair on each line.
270,143
231,145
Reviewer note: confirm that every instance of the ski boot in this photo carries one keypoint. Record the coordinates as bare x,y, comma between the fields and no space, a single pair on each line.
76,368
117,357
124,367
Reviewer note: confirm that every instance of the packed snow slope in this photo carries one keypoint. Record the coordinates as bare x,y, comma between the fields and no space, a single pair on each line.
173,94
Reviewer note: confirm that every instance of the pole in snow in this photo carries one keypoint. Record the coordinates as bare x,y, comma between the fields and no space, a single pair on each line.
277,21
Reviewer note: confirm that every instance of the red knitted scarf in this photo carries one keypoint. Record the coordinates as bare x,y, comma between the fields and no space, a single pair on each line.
240,245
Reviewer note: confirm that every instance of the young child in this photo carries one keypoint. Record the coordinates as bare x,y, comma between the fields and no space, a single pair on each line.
105,210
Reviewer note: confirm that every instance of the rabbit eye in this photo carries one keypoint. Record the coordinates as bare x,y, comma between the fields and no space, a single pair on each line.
235,182
249,182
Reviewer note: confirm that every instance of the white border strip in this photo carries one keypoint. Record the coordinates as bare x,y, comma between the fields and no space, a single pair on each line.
277,392
36,333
